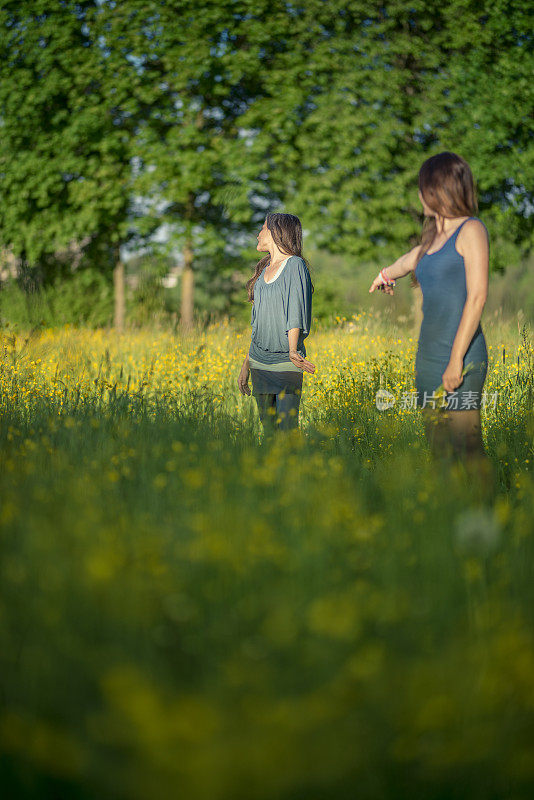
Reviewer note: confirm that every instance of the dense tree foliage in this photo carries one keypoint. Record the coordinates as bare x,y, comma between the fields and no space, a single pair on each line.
121,117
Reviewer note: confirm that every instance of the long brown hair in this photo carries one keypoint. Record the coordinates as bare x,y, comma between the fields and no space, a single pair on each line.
286,231
448,188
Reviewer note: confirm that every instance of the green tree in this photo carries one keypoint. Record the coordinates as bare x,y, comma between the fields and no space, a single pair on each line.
488,111
213,114
69,112
360,95
196,171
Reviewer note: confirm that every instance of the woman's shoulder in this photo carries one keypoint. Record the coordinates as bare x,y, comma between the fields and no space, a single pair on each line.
473,224
296,271
472,236
296,263
473,229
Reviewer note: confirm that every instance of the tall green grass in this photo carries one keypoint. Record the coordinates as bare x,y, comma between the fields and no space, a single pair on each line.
190,609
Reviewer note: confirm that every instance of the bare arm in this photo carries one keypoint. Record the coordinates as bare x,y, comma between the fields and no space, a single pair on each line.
402,266
293,338
472,244
242,381
295,357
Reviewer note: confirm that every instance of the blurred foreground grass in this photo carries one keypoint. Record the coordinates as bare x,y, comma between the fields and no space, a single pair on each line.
189,611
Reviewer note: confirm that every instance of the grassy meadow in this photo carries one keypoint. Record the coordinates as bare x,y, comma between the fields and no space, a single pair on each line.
190,610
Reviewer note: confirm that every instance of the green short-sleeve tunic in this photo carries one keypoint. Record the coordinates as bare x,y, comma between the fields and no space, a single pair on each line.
283,303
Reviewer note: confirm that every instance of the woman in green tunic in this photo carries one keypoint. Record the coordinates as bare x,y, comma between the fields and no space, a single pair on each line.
281,295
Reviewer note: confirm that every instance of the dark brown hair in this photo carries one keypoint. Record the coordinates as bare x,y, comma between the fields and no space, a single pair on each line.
448,188
286,231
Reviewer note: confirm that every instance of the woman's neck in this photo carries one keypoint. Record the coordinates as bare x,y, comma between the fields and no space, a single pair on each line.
277,257
447,225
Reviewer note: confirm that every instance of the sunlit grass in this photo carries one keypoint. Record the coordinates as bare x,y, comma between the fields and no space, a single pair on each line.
187,609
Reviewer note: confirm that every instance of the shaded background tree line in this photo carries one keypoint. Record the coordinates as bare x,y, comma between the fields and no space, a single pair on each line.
166,130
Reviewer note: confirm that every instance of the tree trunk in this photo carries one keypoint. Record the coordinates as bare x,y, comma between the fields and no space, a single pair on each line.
118,283
188,285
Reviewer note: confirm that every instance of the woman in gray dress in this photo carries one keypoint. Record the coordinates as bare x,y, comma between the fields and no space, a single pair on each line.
281,295
451,266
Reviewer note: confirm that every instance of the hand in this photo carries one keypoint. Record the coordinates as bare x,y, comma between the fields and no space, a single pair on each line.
298,361
452,377
379,284
242,381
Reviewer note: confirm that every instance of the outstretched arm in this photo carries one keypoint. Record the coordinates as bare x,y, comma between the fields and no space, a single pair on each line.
402,266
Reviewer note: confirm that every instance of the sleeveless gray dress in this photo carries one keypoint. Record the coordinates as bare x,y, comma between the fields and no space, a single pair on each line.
441,276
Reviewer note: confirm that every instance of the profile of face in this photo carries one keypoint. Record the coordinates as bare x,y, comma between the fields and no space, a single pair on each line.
265,239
